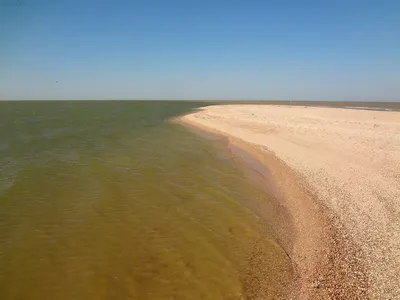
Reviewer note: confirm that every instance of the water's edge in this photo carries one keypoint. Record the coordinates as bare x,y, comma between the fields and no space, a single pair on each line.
324,273
274,216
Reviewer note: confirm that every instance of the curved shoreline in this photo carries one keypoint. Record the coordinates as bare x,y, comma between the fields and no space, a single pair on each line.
333,268
346,162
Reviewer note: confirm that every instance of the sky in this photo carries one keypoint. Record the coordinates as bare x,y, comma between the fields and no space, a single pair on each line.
198,50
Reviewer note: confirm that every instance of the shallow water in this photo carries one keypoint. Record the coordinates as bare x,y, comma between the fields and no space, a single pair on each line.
109,200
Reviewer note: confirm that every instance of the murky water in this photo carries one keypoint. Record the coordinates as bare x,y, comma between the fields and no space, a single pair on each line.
108,200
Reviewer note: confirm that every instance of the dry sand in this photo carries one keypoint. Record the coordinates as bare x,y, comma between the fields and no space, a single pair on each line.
337,172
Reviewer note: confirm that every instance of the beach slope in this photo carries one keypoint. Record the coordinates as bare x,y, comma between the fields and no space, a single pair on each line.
346,164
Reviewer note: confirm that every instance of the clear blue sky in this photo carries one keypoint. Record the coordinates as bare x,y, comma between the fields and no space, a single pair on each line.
200,49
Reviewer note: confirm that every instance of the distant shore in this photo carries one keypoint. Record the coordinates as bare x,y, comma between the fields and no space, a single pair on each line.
336,171
359,105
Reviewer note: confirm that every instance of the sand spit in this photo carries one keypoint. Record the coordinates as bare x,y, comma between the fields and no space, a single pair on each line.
337,172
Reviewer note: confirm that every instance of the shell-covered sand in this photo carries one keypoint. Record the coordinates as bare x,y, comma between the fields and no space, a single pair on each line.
347,163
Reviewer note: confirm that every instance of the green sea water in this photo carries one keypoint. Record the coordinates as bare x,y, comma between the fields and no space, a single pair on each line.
110,200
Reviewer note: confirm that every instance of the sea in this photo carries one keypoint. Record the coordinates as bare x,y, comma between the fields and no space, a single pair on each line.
113,200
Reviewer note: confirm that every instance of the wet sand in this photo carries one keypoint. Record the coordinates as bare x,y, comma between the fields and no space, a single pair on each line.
336,172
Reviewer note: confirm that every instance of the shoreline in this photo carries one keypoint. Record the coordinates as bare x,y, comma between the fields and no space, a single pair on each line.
330,255
315,275
265,211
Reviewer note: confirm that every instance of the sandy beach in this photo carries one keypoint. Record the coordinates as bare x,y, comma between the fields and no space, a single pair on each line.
337,173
